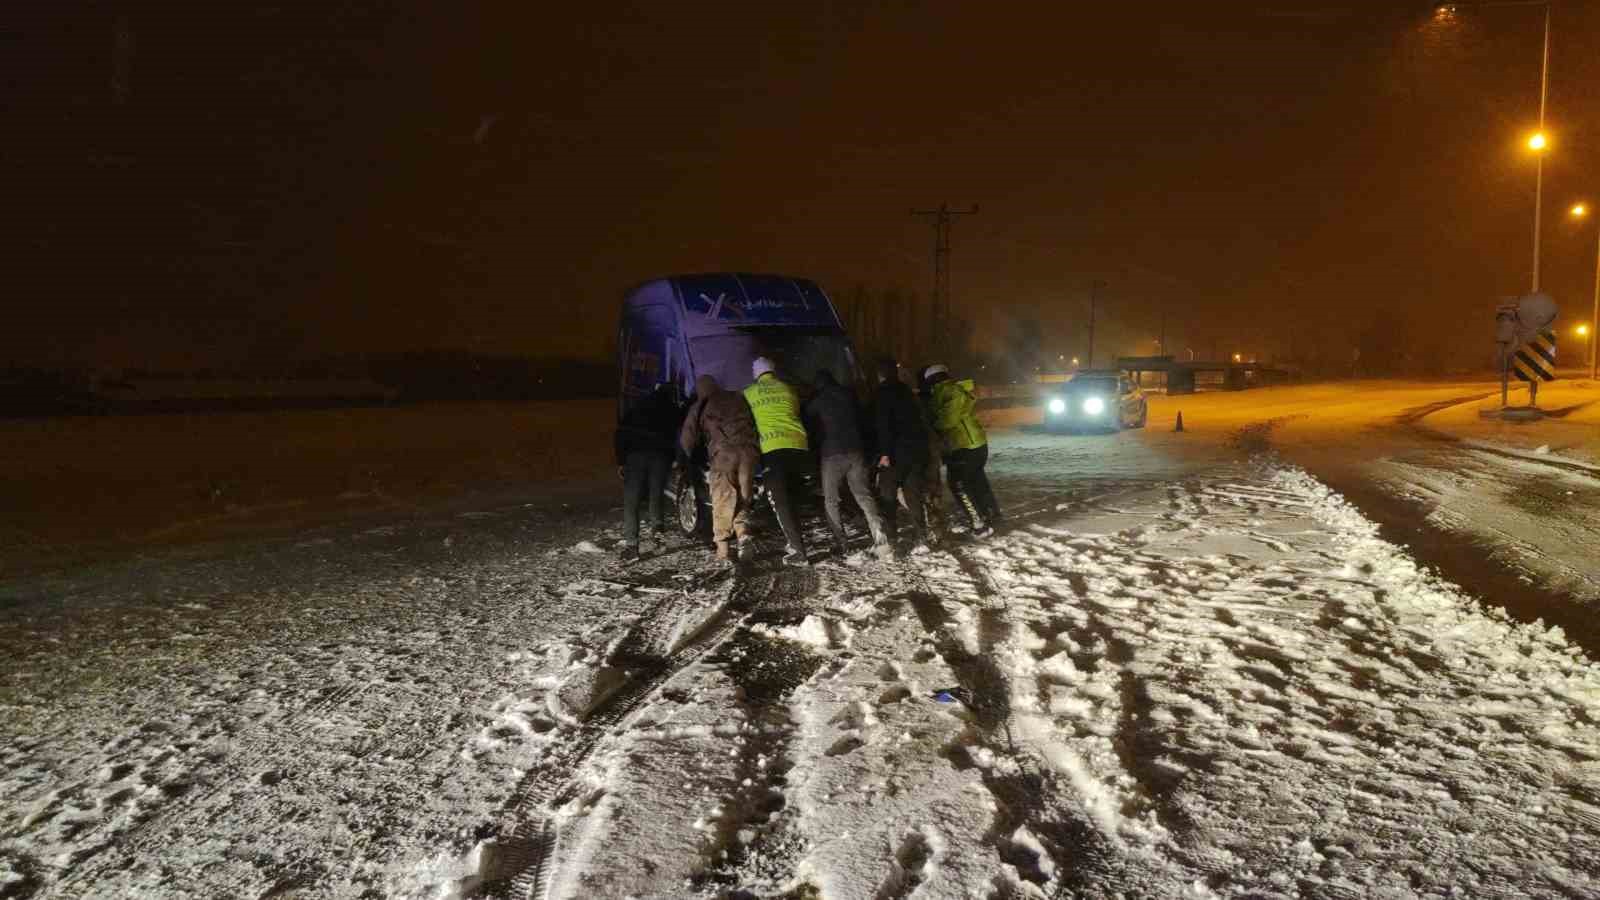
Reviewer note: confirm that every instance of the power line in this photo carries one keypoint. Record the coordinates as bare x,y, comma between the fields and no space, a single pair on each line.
939,304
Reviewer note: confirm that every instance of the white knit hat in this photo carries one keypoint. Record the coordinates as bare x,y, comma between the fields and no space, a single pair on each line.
762,366
935,369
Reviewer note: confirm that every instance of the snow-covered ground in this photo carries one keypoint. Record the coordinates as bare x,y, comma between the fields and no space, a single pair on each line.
1183,670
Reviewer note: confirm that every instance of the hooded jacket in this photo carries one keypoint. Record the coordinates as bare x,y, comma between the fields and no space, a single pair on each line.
721,418
954,408
834,418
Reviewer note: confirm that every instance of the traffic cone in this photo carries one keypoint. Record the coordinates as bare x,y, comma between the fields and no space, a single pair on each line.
1180,421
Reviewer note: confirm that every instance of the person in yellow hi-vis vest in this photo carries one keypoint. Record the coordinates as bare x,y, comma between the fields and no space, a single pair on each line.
953,407
785,451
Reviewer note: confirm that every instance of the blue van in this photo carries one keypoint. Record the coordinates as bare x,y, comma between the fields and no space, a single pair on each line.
675,329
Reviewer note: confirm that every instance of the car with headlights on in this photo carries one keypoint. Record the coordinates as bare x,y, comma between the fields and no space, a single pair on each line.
1097,400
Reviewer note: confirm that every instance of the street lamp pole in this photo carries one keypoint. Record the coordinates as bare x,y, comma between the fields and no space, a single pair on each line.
1594,318
1538,187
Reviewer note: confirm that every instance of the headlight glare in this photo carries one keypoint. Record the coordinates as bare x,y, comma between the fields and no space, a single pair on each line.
1057,406
1094,406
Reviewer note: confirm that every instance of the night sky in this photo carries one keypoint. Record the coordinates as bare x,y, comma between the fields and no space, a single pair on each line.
294,180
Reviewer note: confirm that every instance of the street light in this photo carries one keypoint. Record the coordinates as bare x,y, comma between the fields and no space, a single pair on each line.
1538,142
1579,211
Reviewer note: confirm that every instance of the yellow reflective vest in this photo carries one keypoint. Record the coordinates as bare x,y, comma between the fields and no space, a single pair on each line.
777,411
955,415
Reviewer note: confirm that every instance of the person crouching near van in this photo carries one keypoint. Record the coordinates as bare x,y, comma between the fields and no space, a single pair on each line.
954,408
644,443
836,424
785,450
722,421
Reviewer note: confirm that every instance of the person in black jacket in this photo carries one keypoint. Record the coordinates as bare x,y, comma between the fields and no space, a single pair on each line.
835,425
645,442
903,449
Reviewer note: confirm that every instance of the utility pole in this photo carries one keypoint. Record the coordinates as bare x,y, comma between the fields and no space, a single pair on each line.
939,303
1538,189
1094,296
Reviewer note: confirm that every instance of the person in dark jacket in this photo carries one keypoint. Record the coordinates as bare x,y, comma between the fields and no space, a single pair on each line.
836,433
723,422
644,447
903,449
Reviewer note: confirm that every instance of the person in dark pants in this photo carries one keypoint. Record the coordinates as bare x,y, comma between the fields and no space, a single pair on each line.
954,411
645,441
785,449
903,449
835,427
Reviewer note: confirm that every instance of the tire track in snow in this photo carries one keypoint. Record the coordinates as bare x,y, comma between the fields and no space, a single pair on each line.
527,859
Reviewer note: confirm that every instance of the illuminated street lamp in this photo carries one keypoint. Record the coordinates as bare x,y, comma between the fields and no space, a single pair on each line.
1579,211
1539,141
1238,357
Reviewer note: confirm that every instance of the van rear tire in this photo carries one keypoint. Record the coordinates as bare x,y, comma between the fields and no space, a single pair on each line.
691,501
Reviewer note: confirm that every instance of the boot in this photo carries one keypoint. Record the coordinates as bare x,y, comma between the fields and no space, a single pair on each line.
723,553
796,557
628,553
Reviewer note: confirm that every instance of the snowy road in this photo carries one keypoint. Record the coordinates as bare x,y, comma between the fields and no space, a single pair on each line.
1178,673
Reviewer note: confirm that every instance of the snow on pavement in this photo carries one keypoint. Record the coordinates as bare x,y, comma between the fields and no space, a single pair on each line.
1219,683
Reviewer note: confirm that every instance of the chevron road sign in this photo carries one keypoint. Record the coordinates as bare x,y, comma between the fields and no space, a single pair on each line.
1535,360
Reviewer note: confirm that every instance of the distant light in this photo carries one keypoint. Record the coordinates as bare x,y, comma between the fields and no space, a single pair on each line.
1057,406
1062,356
1579,210
1582,330
1538,141
1445,13
1238,358
1074,360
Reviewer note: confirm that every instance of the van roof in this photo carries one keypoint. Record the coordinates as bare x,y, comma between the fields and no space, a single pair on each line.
722,300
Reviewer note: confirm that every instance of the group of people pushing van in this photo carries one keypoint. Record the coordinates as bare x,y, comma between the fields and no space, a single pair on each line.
921,445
